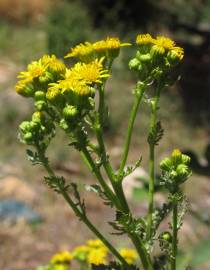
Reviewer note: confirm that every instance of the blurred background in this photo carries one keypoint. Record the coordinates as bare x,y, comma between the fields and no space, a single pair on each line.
34,222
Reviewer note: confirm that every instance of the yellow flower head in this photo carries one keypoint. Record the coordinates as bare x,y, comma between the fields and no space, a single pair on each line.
22,85
178,52
34,70
110,43
53,63
78,87
165,42
130,255
92,72
53,92
64,257
60,267
97,256
144,39
96,243
81,51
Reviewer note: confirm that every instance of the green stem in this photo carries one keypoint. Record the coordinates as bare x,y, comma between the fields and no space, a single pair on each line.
153,122
83,217
139,94
98,175
174,240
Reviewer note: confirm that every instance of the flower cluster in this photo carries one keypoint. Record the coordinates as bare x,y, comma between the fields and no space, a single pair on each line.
155,56
175,170
87,51
93,253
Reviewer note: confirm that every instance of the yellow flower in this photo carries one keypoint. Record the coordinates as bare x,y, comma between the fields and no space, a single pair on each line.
144,39
179,52
74,85
130,255
64,257
110,43
81,51
53,63
22,87
60,267
165,42
53,92
96,243
34,70
92,72
97,256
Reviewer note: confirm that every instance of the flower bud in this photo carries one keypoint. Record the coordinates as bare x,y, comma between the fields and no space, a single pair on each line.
166,164
24,126
70,112
166,236
37,117
34,126
39,95
157,51
40,105
53,94
134,64
183,172
185,159
173,174
28,137
145,57
176,157
47,77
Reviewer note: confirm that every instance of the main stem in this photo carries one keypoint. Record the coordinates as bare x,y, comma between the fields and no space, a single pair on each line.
83,217
174,240
153,122
117,185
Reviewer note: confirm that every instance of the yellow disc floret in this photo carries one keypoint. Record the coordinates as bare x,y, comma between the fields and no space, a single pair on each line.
130,255
53,63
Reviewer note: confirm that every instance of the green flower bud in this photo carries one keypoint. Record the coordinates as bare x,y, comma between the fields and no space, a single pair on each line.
166,164
157,51
183,172
185,159
166,236
134,64
176,157
24,126
173,174
28,137
40,105
63,124
37,117
47,77
39,95
145,57
70,112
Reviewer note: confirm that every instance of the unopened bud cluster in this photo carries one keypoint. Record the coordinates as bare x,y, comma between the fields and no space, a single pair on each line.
155,56
175,170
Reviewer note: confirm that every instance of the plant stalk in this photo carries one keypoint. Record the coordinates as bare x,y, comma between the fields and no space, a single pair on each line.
139,94
174,239
83,217
153,123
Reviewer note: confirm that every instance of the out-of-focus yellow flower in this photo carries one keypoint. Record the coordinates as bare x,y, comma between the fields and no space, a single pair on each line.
96,243
64,257
165,42
60,267
81,51
97,256
130,255
92,72
144,39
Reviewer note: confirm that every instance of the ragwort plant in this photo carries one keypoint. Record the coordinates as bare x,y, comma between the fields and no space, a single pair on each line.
64,97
